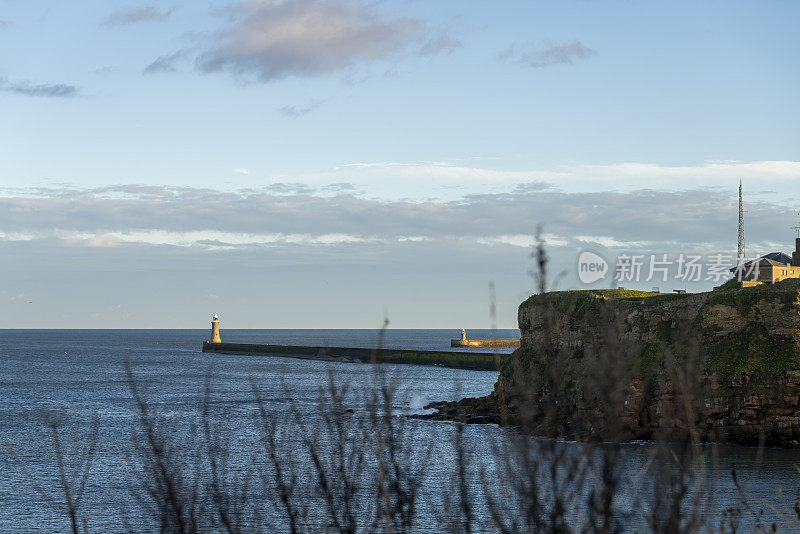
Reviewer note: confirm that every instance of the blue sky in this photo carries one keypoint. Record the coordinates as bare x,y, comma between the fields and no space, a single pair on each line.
344,159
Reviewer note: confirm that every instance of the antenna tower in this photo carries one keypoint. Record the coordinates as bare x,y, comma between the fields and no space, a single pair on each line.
741,253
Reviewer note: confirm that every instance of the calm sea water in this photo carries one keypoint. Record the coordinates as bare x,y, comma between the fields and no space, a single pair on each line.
80,375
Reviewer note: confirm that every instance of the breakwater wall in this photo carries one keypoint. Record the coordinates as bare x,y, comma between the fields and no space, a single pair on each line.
476,361
484,342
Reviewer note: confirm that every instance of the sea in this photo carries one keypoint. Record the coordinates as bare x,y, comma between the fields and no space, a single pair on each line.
77,377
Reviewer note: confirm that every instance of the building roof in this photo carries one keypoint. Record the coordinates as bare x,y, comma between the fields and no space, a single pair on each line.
778,257
774,259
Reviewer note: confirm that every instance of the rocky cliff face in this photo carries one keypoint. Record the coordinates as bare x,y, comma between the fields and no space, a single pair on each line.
739,348
742,345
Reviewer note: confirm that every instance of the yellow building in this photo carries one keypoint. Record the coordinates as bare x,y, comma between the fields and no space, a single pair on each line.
770,268
775,273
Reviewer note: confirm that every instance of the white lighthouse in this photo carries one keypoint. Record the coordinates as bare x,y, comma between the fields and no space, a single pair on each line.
215,330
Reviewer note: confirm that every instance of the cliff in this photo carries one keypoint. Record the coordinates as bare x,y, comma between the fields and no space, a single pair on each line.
732,355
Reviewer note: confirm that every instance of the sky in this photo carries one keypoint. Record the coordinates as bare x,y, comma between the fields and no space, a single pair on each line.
331,163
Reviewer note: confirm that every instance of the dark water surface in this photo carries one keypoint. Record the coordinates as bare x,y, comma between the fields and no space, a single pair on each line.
79,374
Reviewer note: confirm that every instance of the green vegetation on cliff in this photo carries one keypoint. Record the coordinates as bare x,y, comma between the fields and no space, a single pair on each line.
756,358
581,304
745,299
747,337
764,347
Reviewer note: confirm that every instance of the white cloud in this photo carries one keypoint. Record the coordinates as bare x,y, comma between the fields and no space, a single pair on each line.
524,240
16,236
104,240
610,242
207,239
708,171
292,216
445,181
773,181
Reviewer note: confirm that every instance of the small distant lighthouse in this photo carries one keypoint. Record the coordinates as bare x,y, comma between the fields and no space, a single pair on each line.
215,330
463,335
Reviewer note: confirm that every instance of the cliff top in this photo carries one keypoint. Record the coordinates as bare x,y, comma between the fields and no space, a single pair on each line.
786,291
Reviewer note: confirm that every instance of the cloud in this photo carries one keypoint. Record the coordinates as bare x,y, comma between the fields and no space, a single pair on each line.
339,188
46,90
104,71
270,40
286,243
166,63
294,112
285,215
714,169
282,188
554,55
133,16
524,240
241,171
4,24
618,206
444,180
441,181
104,240
441,44
528,187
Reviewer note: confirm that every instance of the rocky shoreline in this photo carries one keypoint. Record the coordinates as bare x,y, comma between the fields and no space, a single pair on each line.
471,410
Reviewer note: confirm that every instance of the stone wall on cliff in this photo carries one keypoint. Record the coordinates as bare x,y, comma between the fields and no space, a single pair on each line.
746,342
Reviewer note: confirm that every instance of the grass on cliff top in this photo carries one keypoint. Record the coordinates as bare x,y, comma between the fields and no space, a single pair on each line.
564,300
730,293
581,304
733,283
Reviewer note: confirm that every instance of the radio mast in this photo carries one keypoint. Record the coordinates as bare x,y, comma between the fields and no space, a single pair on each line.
741,253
